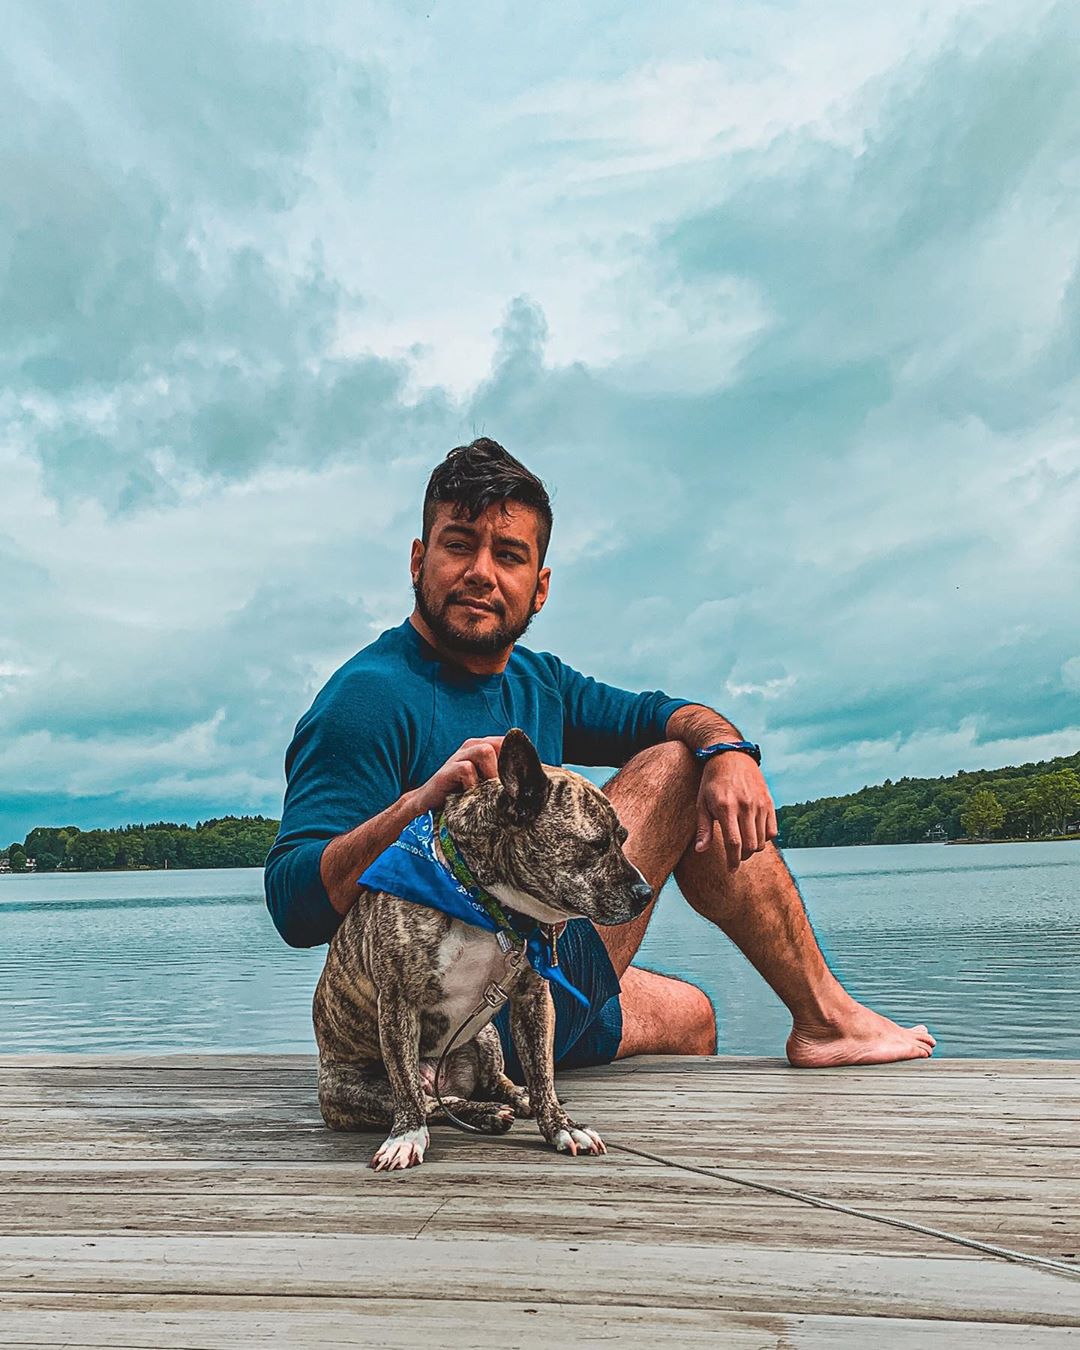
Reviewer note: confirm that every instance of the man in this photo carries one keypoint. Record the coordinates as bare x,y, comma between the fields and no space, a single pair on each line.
421,712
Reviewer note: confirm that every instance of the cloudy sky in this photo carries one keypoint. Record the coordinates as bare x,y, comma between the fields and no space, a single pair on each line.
780,299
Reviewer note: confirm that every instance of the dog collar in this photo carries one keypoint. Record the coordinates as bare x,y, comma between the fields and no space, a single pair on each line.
503,921
413,870
463,873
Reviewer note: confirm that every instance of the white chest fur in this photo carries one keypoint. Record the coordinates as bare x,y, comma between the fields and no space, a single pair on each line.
469,960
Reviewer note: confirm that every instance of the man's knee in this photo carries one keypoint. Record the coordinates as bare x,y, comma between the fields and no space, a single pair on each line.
700,1022
655,795
658,767
665,1016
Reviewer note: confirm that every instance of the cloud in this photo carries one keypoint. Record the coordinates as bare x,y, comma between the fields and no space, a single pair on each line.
781,306
161,322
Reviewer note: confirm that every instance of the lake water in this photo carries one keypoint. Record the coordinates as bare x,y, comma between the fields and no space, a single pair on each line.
981,943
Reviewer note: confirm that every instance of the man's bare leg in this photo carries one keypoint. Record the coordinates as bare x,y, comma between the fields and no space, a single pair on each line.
757,905
664,1016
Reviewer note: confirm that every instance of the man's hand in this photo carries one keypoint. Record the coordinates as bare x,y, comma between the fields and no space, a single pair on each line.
475,759
734,796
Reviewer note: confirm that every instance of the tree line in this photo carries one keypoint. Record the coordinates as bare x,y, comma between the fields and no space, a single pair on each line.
230,841
1031,801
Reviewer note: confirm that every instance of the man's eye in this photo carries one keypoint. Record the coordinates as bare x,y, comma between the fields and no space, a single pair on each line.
511,557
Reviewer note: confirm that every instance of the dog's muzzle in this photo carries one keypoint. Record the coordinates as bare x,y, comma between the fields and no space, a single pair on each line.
642,893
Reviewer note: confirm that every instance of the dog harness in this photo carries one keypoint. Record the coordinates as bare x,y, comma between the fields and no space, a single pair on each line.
412,870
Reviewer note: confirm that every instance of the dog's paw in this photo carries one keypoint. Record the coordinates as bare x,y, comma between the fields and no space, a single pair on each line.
578,1139
495,1121
520,1104
488,1117
401,1151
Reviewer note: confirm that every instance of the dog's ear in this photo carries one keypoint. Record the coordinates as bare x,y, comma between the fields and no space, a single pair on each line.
527,786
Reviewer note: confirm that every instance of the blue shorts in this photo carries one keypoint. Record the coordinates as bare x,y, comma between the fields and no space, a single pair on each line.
582,1035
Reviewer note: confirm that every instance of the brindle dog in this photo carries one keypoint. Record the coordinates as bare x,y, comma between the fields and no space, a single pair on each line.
400,978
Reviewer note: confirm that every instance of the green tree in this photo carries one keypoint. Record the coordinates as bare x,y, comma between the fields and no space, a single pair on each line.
904,822
1053,798
48,846
859,823
130,850
17,858
983,815
93,851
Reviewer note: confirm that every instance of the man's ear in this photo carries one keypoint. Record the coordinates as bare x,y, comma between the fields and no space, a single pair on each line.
527,786
543,584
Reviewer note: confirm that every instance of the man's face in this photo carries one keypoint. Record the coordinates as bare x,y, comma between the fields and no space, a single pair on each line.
477,584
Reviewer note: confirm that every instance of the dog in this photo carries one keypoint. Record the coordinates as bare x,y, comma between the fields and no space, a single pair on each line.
403,981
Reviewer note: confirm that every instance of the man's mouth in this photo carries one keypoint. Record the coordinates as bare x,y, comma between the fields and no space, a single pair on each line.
475,606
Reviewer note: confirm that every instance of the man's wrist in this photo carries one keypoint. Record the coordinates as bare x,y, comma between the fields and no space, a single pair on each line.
719,748
698,726
412,804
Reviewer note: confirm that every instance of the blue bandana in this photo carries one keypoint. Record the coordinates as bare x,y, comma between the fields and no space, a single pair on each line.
411,870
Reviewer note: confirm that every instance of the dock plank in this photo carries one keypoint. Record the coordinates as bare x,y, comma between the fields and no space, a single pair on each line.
198,1200
209,1322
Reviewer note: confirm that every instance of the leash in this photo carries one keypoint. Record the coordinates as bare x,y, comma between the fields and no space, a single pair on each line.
495,996
816,1201
819,1202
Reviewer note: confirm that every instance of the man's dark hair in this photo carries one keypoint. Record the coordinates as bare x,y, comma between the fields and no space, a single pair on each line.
479,474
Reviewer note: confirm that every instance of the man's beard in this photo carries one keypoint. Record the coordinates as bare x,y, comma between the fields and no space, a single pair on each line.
458,638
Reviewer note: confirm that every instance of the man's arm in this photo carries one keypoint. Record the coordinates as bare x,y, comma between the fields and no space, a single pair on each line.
345,857
697,726
733,793
603,724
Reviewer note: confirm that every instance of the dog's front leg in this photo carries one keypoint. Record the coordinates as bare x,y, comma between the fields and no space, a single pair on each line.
532,1023
399,1042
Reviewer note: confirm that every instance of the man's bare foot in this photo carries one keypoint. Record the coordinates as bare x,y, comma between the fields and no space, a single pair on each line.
858,1035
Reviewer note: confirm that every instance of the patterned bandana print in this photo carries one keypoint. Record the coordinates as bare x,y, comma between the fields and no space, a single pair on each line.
411,870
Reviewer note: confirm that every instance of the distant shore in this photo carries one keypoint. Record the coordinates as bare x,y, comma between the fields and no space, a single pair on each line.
239,867
929,843
143,867
1041,839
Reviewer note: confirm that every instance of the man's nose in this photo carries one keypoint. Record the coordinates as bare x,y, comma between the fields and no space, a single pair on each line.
481,568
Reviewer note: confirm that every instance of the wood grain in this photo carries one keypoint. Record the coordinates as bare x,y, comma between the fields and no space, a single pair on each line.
198,1200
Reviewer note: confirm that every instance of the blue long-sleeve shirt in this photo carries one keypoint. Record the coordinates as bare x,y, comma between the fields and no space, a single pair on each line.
393,715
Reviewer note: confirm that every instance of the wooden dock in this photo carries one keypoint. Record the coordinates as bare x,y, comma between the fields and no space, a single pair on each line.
198,1201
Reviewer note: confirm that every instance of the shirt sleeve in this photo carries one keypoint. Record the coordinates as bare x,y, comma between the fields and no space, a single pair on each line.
343,767
605,725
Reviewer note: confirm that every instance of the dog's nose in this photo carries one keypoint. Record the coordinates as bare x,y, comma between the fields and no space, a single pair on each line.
642,890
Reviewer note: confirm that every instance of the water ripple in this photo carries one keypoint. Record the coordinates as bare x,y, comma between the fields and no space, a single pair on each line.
988,955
